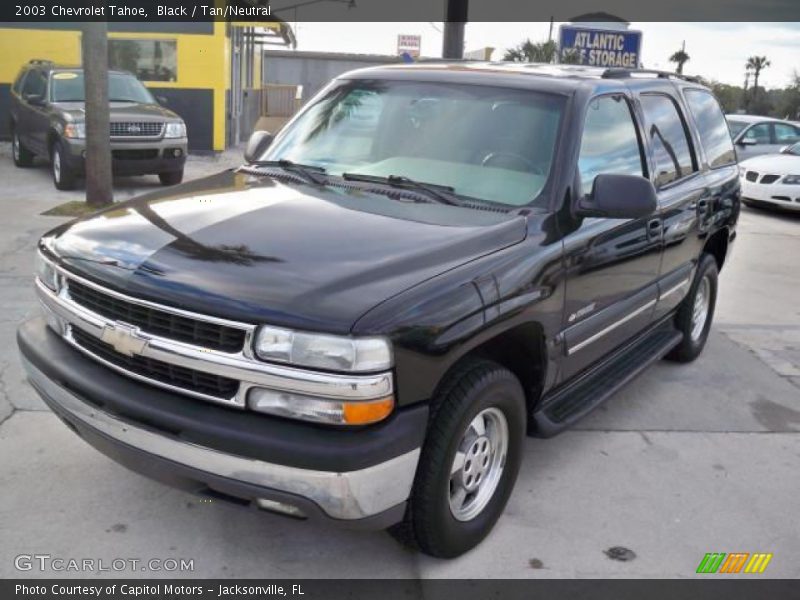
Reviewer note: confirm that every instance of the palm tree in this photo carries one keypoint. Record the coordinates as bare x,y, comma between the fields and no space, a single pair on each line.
680,58
528,51
756,64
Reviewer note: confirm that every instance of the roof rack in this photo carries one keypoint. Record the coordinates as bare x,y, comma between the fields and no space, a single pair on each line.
40,61
620,73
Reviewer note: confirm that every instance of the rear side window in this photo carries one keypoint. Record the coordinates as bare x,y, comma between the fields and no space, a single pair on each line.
610,143
18,83
786,134
667,134
712,128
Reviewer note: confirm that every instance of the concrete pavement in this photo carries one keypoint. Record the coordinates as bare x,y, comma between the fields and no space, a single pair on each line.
688,459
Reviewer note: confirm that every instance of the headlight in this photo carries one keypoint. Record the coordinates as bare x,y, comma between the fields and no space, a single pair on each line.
175,130
337,353
46,273
75,130
791,180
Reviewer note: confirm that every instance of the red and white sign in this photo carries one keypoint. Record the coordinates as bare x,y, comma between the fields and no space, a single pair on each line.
409,44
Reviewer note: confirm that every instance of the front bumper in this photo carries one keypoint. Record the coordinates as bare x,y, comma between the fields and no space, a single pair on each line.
360,478
776,194
134,157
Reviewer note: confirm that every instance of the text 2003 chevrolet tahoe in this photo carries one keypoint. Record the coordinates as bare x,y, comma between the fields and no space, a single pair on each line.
427,264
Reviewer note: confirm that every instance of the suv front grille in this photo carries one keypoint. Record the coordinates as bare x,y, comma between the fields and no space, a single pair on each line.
158,322
181,377
136,129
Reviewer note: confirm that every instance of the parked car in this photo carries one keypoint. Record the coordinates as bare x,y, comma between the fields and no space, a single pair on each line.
47,119
773,179
368,337
754,135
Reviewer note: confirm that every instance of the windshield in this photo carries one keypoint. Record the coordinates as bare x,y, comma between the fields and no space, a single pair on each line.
488,143
67,86
736,127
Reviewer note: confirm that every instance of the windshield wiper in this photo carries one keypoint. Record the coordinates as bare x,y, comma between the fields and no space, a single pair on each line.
442,194
309,172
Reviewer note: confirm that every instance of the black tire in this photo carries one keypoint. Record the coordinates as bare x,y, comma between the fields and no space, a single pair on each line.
430,524
692,345
63,176
22,156
171,177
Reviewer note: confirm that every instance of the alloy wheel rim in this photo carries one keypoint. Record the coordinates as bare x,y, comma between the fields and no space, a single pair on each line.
702,302
478,464
57,165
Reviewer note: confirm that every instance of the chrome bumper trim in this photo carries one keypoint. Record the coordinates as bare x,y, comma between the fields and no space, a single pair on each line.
348,495
238,366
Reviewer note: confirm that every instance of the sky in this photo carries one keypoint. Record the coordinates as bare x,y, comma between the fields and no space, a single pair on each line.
717,50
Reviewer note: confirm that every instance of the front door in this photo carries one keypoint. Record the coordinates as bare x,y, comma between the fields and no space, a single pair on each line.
612,264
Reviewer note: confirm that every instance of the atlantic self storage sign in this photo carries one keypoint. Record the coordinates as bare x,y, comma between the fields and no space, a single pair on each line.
602,47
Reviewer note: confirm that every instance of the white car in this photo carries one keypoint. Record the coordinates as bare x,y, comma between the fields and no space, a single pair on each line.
772,178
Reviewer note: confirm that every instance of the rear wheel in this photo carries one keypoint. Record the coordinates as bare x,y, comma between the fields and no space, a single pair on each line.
63,176
171,177
469,462
696,312
21,155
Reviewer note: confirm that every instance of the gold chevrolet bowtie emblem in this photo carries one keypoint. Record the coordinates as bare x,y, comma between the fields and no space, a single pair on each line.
124,338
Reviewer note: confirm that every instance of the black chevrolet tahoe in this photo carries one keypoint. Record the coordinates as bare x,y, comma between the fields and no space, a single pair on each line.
427,264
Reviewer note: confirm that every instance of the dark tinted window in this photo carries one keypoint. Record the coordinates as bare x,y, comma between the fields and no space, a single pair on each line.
35,84
758,133
610,143
18,83
786,134
665,129
712,127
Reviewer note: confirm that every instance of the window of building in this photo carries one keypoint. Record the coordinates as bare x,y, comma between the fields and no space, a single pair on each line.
149,60
712,127
666,131
610,143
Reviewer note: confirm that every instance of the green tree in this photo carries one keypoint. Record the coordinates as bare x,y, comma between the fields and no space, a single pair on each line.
680,58
756,64
528,51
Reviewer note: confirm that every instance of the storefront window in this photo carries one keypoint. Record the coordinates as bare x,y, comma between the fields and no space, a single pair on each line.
149,60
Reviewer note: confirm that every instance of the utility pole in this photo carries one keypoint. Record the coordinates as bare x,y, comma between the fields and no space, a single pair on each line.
455,18
94,46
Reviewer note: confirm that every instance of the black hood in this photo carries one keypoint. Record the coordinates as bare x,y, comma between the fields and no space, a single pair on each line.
254,249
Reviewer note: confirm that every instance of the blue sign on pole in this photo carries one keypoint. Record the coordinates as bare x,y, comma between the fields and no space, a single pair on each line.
601,47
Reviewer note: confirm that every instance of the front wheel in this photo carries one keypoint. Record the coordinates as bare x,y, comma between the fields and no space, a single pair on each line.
63,176
696,312
469,462
171,177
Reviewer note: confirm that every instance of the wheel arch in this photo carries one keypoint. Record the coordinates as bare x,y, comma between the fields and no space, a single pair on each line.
717,246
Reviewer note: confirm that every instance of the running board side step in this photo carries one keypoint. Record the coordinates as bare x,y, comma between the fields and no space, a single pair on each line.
567,404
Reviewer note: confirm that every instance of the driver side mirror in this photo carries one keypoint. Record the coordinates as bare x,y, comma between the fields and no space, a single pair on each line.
259,141
785,149
162,100
747,142
619,197
34,99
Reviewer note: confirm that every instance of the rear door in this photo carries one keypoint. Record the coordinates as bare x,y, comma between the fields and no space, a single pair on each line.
612,264
682,193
